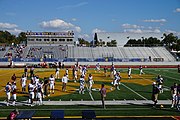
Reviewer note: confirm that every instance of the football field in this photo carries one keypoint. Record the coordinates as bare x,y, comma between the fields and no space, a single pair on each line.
139,87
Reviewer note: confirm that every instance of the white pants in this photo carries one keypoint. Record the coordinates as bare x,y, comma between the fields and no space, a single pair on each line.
57,74
14,96
8,95
51,86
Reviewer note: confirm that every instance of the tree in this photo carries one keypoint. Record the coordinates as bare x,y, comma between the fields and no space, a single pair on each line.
83,42
22,37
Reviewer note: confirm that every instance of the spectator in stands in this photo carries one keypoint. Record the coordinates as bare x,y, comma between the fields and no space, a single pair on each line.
103,95
8,92
13,114
155,93
149,58
13,78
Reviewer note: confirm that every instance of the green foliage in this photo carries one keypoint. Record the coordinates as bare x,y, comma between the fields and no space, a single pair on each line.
7,38
169,40
112,43
83,42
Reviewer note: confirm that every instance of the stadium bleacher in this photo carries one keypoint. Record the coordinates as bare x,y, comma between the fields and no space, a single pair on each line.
72,53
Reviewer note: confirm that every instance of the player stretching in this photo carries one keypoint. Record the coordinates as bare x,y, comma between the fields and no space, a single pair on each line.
81,87
97,67
31,88
57,73
141,70
39,93
8,92
129,73
174,93
105,71
23,83
64,82
160,83
13,91
51,83
91,82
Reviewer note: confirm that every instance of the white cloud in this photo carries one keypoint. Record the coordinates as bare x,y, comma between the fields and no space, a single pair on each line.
73,6
131,26
85,36
7,26
155,20
177,10
142,30
96,30
15,31
58,24
12,28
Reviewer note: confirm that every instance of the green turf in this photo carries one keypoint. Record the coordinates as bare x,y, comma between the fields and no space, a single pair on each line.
170,77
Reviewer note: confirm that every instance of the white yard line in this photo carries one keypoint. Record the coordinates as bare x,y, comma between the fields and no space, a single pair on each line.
89,92
165,76
134,91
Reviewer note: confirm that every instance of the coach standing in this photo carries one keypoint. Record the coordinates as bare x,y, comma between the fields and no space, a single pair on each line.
103,95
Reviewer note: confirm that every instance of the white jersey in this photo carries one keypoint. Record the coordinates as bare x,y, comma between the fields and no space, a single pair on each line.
23,81
129,71
75,74
31,87
52,80
8,88
64,79
57,69
82,82
36,80
90,79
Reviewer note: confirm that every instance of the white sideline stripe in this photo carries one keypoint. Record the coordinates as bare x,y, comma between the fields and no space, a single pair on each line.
134,91
89,93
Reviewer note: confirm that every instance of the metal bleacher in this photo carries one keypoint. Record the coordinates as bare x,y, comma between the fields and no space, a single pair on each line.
92,53
120,52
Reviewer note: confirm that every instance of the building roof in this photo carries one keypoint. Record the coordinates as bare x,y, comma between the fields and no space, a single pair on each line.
122,38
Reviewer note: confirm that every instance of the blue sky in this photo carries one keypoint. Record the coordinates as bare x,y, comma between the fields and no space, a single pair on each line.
85,17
